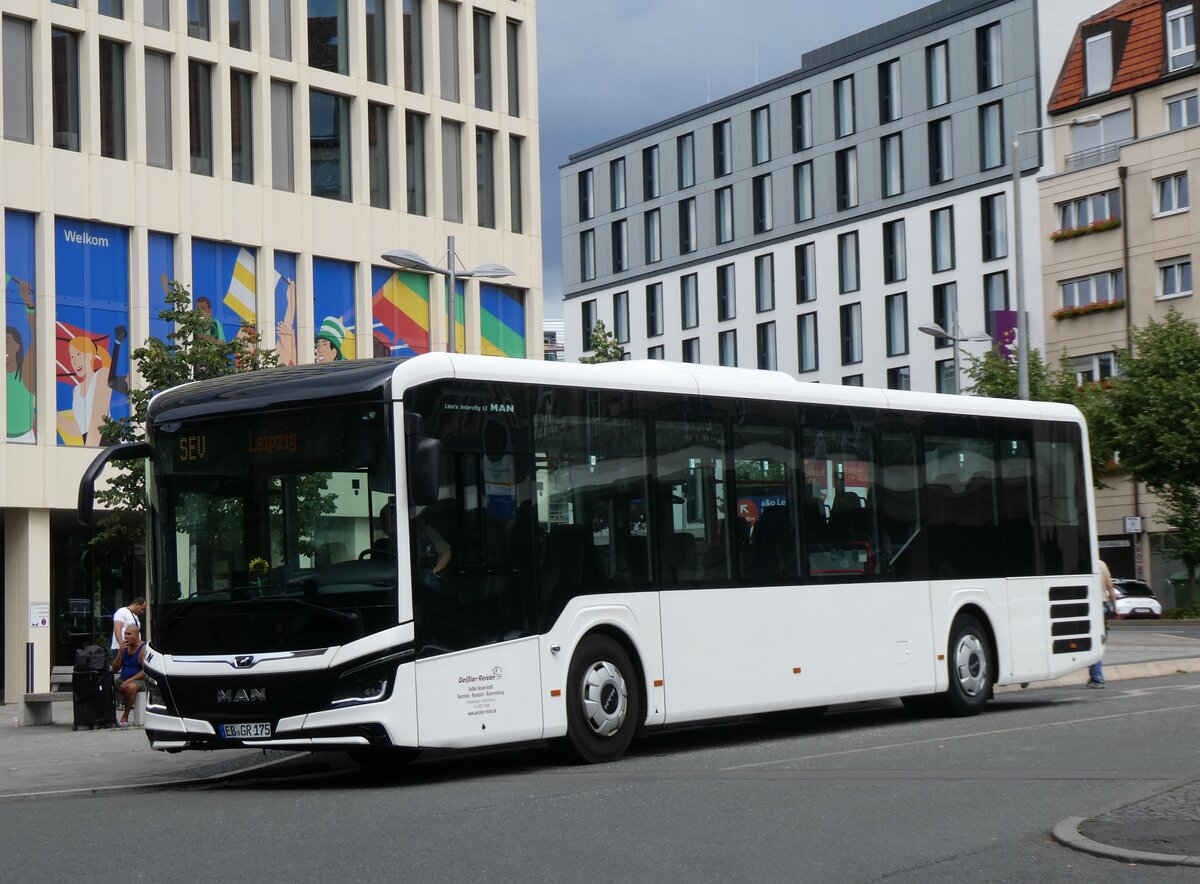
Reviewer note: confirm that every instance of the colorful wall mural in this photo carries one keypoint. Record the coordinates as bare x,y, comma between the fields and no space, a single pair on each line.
160,270
285,308
20,334
333,310
501,321
91,264
223,285
399,312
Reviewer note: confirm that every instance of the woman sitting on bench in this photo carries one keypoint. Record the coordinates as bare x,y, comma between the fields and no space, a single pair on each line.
128,665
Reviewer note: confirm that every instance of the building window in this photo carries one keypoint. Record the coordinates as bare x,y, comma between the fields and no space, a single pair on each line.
1094,369
64,71
846,171
691,350
620,246
516,186
995,297
448,50
654,317
1095,208
452,202
760,135
945,311
722,148
687,226
197,19
1095,289
485,176
891,153
685,147
414,161
806,272
279,28
112,8
1181,38
806,343
657,352
761,192
329,145
991,137
764,283
843,107
200,117
587,203
1181,111
239,23
765,337
157,14
414,45
848,262
895,309
895,257
852,380
945,381
727,347
158,109
241,126
481,33
1098,62
941,247
587,323
112,99
376,34
851,328
653,220
802,179
724,200
889,91
621,316
689,300
616,183
994,226
650,172
1174,278
937,74
941,153
1171,194
587,255
987,57
514,67
726,293
899,378
328,36
16,54
282,137
802,125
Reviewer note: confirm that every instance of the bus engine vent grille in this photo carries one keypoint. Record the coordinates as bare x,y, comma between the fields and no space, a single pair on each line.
1070,626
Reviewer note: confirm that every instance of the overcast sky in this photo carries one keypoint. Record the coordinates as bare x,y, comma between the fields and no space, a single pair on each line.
608,67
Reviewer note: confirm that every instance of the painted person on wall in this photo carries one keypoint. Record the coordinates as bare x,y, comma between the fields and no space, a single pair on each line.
20,370
204,306
91,365
285,329
331,341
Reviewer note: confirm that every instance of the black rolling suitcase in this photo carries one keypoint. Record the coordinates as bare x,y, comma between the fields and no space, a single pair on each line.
92,690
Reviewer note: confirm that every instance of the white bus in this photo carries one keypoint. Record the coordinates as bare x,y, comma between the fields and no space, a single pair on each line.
588,551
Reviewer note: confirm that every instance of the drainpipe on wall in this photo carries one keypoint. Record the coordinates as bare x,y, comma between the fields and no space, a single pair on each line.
1138,552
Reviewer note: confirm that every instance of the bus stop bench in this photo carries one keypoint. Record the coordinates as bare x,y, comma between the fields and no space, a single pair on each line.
39,708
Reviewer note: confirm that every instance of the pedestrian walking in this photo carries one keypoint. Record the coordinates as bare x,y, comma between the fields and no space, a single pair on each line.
130,615
1109,598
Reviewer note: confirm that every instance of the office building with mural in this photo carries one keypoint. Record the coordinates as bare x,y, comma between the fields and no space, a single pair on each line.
265,154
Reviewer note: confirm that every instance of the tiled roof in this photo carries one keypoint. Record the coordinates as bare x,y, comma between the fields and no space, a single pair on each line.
1140,61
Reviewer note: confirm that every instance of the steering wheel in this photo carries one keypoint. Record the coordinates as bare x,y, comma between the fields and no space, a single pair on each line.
373,551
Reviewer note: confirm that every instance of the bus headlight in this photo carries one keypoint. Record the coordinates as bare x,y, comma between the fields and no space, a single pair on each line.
367,684
154,695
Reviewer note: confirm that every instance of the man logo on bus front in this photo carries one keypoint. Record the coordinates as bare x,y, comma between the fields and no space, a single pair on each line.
245,661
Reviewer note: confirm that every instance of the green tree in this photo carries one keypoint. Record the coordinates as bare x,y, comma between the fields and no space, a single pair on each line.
604,346
190,353
1155,425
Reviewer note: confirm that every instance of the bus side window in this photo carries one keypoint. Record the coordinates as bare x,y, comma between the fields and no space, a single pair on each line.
764,472
903,545
693,515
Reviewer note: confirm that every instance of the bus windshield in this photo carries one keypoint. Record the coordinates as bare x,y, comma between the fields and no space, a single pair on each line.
267,532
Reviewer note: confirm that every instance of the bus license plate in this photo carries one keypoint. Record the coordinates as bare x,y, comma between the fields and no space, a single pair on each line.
246,731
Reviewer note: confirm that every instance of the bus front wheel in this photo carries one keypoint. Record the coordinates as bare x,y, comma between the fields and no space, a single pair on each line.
604,700
971,669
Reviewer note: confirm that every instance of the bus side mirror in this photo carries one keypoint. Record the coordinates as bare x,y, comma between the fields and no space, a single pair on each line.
87,485
424,469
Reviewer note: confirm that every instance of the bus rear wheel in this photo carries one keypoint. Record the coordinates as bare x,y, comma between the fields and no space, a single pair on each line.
604,700
971,668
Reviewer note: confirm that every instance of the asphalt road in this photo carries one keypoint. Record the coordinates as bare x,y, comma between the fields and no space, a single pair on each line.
867,794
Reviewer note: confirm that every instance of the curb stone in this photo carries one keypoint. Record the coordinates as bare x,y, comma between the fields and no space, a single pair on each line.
1067,834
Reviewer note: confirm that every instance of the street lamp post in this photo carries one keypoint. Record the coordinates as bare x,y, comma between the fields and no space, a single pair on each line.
1022,318
409,260
955,336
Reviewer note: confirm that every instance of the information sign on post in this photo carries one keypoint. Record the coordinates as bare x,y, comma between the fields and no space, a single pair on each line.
1133,524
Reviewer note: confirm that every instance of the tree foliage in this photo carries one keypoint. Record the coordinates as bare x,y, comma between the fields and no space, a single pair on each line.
191,352
604,346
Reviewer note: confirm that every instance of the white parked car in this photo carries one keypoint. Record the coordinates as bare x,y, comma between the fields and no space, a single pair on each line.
1135,599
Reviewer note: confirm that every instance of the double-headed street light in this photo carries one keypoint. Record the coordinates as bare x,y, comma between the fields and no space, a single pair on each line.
1022,342
409,260
956,337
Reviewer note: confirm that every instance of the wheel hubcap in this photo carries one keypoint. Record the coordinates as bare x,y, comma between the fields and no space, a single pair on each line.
970,662
605,698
